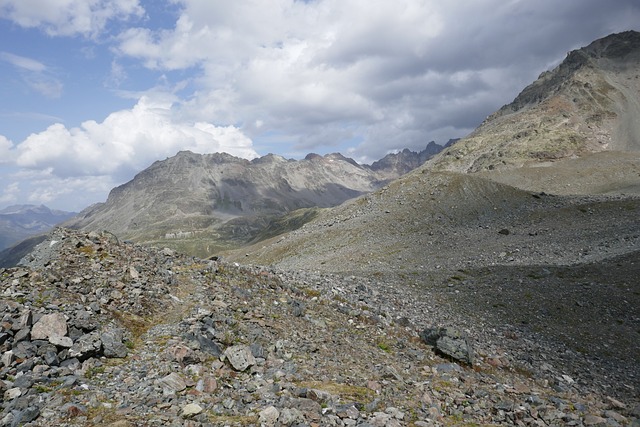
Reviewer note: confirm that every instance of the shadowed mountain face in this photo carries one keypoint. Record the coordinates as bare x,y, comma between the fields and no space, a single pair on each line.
200,203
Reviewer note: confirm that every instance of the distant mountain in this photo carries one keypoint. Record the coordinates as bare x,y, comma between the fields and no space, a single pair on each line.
590,103
21,221
201,203
405,160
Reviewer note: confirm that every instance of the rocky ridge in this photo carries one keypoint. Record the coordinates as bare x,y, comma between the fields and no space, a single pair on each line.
101,332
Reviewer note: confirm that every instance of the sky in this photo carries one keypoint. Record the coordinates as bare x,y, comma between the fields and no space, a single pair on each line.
94,91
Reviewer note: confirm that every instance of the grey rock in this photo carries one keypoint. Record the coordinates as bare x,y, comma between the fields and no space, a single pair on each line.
592,420
83,320
86,346
347,411
208,346
24,416
7,358
24,349
112,345
64,342
297,308
51,358
22,335
450,342
290,416
172,383
240,357
191,410
269,416
23,381
258,351
24,321
49,325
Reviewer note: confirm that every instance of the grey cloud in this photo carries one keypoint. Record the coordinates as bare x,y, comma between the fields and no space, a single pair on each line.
329,73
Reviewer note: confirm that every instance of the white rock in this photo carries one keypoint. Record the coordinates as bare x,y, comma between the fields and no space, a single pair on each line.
269,416
240,357
191,409
49,325
12,393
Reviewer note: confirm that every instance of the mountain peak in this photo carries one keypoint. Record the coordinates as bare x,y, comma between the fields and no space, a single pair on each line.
615,46
621,48
406,160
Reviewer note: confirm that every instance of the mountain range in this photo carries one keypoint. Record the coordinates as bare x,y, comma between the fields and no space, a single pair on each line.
204,203
572,133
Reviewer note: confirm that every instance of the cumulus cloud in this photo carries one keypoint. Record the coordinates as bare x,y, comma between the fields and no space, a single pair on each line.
125,142
404,69
43,187
68,17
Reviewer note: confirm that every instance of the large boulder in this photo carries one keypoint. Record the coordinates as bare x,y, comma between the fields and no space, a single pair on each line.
450,342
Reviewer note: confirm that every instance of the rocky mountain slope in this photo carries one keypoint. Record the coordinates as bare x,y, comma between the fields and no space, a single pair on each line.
588,104
406,160
199,203
21,221
98,332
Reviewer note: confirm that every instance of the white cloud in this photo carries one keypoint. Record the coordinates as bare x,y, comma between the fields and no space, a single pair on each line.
23,62
6,152
35,74
68,17
71,193
361,76
125,142
10,193
45,85
43,187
